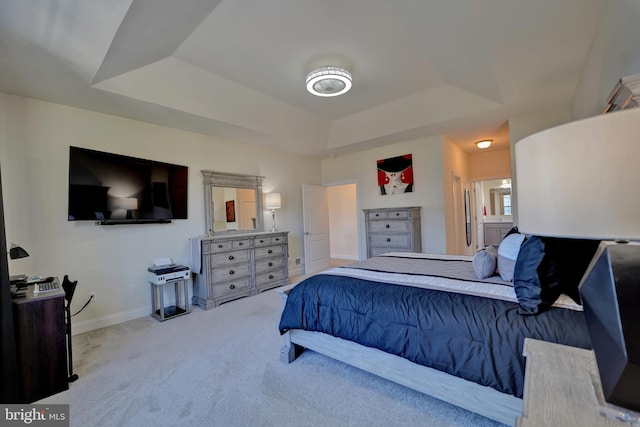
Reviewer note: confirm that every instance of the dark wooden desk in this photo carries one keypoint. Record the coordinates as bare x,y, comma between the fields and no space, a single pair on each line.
41,344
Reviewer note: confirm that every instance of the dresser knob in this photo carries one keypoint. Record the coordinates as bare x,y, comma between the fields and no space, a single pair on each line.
261,241
271,276
388,239
270,264
240,243
219,246
232,286
377,215
230,257
269,251
232,272
387,226
397,213
277,239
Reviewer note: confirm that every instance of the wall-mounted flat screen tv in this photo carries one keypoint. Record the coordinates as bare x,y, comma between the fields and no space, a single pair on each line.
112,187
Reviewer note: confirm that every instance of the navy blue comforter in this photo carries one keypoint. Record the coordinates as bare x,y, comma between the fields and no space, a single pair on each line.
475,338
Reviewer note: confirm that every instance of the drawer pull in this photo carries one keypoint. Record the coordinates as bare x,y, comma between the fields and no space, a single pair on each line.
230,257
219,246
377,215
271,276
277,239
269,251
240,243
232,272
397,213
387,226
261,241
270,264
232,286
388,239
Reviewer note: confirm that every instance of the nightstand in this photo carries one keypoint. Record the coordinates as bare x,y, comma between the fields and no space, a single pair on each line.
562,388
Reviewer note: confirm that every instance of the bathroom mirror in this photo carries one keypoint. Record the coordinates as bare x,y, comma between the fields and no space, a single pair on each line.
500,201
232,202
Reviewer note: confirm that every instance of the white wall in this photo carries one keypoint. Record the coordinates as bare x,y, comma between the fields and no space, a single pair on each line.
427,190
112,260
615,53
343,221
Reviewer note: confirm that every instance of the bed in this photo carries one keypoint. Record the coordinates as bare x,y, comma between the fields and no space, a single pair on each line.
427,322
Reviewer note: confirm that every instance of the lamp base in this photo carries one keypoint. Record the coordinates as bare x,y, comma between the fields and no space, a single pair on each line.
273,216
610,292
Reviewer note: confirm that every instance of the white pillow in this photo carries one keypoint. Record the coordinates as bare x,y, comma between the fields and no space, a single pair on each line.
508,254
484,262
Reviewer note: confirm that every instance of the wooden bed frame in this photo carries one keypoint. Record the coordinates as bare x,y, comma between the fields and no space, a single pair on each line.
469,395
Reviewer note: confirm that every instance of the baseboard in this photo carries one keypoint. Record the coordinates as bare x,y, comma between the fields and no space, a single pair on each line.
113,319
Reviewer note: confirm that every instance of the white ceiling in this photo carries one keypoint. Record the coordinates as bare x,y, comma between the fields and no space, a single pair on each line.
236,68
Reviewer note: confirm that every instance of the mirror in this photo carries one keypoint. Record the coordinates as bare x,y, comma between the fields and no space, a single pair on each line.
495,199
232,202
500,201
467,215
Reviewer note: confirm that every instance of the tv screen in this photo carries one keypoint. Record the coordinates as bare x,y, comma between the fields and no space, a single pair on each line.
112,187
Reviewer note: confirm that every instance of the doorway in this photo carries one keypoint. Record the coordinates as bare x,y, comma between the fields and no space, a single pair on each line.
493,210
343,224
330,217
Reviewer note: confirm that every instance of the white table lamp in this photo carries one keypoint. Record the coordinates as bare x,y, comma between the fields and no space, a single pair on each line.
273,201
580,180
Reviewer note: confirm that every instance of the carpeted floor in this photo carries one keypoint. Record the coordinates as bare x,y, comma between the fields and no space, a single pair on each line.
221,368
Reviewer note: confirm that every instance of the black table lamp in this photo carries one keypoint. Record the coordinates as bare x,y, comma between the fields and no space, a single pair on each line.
580,180
17,252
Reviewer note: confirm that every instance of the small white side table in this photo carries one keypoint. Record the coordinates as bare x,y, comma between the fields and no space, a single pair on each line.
181,307
562,388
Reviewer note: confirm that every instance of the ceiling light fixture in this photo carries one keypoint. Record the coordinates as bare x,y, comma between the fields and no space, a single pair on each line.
329,81
484,144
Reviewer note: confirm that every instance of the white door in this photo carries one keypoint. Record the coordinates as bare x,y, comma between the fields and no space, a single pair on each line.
315,214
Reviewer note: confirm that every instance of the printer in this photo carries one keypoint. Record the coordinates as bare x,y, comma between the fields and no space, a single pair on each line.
163,271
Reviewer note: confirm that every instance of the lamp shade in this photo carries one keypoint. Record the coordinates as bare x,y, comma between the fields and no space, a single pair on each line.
17,252
579,179
272,201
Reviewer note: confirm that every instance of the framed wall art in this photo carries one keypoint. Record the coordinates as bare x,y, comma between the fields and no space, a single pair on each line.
395,175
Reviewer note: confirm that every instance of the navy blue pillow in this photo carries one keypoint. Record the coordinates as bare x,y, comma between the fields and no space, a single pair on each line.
535,277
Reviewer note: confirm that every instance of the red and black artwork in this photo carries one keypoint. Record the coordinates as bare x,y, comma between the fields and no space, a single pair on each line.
395,175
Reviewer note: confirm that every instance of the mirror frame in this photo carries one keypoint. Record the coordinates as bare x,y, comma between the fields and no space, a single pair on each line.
467,216
221,179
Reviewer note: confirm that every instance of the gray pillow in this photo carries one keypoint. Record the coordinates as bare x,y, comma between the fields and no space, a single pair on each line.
484,262
508,254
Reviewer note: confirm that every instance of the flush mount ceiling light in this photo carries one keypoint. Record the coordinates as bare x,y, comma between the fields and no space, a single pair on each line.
328,81
484,144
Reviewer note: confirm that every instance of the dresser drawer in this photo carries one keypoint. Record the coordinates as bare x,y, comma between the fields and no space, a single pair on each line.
240,286
224,274
229,245
222,260
389,227
398,241
269,240
263,265
267,278
268,251
377,215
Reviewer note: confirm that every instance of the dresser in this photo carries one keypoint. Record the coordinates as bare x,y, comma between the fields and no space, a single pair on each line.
392,229
238,265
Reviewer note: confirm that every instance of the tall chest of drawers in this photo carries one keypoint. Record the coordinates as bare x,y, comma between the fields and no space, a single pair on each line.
239,265
392,229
